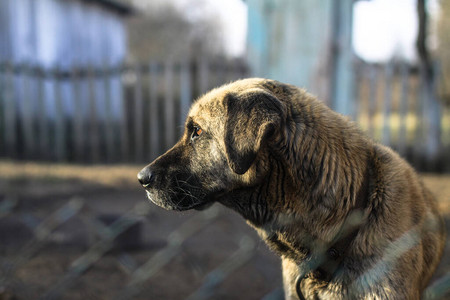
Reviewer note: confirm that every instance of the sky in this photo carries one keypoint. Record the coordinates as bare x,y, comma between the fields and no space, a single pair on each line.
382,28
386,28
233,16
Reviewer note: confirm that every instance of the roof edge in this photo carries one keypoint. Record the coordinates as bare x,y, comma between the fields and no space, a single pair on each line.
118,6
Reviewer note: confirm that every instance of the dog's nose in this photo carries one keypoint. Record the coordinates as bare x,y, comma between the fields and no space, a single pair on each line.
146,177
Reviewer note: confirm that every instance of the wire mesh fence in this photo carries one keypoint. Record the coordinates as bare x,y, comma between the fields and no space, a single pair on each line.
67,239
115,239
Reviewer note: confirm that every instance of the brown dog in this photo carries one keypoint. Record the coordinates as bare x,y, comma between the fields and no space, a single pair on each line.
349,218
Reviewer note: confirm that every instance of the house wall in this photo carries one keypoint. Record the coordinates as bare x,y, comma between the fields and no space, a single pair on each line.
60,33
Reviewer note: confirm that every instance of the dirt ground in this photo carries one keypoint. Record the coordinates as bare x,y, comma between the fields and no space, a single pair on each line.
37,190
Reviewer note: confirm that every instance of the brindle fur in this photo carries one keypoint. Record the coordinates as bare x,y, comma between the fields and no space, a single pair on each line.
293,169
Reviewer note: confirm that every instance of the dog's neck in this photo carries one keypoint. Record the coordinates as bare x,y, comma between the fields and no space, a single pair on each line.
326,156
323,159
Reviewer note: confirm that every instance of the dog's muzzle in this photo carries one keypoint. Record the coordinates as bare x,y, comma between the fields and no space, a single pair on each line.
180,191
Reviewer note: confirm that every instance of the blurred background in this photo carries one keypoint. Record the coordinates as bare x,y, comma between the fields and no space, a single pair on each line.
93,90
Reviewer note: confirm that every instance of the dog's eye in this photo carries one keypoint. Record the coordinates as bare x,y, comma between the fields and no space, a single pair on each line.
197,132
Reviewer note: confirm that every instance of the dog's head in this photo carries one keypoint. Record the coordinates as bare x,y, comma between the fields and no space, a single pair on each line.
220,150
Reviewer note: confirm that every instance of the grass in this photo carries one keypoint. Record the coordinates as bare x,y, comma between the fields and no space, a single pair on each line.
107,175
125,176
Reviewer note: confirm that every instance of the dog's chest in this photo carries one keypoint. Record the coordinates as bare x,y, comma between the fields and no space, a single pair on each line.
286,242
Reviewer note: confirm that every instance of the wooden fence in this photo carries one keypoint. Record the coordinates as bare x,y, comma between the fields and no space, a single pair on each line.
134,113
397,105
124,114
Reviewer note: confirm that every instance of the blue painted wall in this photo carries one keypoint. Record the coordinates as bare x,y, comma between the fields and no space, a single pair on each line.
306,43
61,33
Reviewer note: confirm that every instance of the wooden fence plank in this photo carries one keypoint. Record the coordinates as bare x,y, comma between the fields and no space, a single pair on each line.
27,115
403,110
372,99
51,104
432,118
220,72
100,111
241,70
203,76
2,114
109,119
154,123
185,93
3,117
170,119
68,114
138,117
124,139
42,118
93,118
387,105
60,143
232,73
358,107
79,120
418,130
10,115
116,91
404,88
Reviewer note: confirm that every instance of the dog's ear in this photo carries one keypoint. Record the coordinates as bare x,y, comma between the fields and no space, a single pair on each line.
251,118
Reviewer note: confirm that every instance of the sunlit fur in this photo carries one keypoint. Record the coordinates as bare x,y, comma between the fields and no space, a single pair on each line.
293,169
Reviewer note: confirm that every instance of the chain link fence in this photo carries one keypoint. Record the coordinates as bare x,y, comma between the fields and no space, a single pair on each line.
116,240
